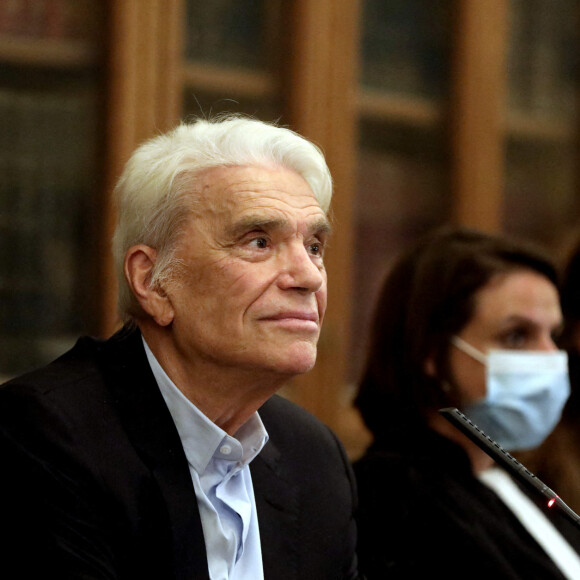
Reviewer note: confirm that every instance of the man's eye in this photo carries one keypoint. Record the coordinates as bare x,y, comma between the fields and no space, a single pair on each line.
260,243
316,249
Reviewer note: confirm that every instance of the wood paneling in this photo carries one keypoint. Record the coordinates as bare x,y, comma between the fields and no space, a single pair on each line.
477,111
322,106
143,98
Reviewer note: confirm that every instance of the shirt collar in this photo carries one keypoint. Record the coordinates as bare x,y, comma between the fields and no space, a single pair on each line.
201,437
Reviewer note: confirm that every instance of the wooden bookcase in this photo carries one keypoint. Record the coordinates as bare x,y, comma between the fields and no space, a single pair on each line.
402,159
51,74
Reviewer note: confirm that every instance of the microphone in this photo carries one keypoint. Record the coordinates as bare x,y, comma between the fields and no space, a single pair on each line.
510,463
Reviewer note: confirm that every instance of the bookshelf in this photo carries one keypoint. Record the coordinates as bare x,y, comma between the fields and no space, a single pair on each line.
540,198
428,112
207,78
232,55
410,110
51,69
49,53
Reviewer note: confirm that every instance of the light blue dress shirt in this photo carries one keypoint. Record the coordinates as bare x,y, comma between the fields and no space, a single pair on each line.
219,468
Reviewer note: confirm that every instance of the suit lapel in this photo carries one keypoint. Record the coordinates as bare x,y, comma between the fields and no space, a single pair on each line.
277,502
151,430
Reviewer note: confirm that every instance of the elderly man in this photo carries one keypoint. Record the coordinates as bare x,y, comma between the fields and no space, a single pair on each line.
164,452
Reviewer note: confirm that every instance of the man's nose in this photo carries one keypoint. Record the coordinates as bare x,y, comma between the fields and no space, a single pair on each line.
300,271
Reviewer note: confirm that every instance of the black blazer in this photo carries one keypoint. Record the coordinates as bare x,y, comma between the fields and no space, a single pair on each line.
422,514
95,484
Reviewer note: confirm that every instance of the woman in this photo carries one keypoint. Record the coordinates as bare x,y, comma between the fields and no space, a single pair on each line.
453,310
557,460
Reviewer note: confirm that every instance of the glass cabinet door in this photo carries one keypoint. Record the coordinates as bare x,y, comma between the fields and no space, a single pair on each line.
49,111
541,200
233,51
402,182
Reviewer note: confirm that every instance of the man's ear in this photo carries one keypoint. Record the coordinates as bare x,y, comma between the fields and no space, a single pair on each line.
139,263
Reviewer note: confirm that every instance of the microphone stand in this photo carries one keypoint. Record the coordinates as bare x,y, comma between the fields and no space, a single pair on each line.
510,463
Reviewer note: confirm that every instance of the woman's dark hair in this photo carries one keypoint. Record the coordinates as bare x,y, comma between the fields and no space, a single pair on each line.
570,298
427,297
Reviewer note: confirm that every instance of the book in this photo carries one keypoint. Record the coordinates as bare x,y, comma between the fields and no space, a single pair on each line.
47,178
405,46
542,65
51,19
234,33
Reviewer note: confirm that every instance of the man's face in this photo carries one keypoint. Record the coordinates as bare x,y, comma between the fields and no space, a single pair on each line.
252,291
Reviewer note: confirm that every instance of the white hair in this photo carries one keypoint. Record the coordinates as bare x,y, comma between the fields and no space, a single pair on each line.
155,195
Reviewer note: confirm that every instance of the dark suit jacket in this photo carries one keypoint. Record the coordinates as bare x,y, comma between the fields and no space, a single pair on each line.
95,484
424,515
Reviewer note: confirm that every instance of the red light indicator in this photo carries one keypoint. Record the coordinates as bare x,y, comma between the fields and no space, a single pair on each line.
552,502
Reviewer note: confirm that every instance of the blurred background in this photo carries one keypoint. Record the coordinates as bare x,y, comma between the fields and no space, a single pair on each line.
429,112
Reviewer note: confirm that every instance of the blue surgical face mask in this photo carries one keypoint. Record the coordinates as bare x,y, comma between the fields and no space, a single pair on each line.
526,392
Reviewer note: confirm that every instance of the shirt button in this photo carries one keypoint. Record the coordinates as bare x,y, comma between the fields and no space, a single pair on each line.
225,449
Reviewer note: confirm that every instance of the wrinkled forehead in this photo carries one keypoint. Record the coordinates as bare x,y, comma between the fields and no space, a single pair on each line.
231,182
257,193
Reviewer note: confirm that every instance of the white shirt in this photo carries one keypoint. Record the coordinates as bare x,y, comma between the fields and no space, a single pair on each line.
532,518
219,468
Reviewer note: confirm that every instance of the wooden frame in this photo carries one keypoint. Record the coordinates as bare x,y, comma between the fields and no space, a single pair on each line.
477,112
143,97
322,106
